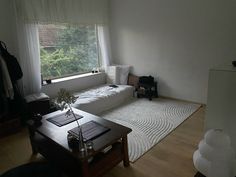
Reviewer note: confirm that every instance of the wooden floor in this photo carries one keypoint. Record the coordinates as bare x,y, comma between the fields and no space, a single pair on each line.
172,157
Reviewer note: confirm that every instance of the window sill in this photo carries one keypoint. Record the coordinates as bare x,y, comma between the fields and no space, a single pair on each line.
54,81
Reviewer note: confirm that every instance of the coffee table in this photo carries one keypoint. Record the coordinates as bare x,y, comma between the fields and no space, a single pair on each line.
51,141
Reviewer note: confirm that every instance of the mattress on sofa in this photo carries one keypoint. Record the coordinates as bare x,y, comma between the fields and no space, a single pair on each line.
102,98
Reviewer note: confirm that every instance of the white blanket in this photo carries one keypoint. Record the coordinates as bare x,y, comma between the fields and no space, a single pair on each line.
102,98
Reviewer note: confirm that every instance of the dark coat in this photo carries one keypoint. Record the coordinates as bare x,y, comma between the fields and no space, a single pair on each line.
13,66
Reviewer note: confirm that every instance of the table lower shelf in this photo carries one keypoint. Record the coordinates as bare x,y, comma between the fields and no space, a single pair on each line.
99,165
103,162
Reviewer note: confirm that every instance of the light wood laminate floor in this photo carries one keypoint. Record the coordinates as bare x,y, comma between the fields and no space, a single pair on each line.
172,157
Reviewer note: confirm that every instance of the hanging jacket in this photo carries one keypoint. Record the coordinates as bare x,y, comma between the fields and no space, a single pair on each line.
7,84
13,66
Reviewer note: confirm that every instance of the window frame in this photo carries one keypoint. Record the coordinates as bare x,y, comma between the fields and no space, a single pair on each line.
98,61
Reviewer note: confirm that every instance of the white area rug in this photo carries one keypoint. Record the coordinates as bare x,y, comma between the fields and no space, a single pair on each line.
150,121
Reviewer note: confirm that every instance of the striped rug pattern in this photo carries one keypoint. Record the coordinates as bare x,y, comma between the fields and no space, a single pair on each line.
150,121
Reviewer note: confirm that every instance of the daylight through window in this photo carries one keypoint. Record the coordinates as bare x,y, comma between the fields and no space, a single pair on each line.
67,50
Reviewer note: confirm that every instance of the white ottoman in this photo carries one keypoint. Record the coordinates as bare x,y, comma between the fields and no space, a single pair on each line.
215,156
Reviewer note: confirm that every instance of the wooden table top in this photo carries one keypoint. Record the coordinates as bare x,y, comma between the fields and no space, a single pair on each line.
58,135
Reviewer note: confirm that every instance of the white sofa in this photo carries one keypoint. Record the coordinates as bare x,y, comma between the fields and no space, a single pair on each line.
104,97
97,96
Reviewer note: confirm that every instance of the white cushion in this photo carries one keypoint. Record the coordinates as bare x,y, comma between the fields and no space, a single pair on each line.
123,74
117,74
113,75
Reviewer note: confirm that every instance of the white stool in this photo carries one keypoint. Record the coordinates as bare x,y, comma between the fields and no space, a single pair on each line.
215,156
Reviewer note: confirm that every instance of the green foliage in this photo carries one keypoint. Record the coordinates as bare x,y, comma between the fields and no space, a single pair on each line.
65,98
75,52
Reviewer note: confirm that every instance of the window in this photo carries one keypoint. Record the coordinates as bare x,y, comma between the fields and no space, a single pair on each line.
67,50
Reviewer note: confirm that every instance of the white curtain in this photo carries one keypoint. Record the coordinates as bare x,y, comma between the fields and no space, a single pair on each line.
64,11
31,12
28,45
104,43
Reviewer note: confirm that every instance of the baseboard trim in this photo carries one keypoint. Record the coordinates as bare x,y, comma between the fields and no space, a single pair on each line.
202,104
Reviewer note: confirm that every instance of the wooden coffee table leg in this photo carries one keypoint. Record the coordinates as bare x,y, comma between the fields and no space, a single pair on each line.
85,169
125,150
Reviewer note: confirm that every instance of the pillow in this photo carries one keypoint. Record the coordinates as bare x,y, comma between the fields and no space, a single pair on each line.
113,75
123,74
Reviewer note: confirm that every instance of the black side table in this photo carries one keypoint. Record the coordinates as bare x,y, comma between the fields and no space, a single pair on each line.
38,103
147,90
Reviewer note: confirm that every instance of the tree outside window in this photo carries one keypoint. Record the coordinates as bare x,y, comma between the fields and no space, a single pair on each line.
67,50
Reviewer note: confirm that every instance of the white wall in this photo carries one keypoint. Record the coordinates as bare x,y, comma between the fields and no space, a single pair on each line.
7,26
175,41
